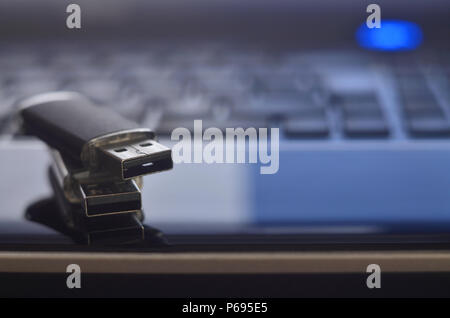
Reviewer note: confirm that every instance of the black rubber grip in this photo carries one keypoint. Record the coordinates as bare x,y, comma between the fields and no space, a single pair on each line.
67,125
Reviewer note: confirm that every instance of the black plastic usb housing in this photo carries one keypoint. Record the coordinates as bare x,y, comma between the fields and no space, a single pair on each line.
99,138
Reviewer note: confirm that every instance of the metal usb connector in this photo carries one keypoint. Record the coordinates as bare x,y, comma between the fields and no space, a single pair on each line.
98,195
129,160
109,229
107,198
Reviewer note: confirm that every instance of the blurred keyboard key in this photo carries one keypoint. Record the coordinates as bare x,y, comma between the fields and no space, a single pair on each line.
366,127
414,84
420,107
429,127
275,105
424,116
362,115
306,128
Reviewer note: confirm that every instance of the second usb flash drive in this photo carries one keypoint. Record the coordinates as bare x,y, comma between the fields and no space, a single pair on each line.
95,136
97,195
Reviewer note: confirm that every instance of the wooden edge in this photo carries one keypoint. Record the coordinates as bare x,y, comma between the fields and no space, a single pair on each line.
223,263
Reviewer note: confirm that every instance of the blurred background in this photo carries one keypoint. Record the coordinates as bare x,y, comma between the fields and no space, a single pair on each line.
295,64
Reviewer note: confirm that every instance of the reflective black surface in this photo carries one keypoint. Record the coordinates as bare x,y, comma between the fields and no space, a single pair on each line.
318,200
107,231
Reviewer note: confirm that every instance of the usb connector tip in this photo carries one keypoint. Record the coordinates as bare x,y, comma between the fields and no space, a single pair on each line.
100,199
135,159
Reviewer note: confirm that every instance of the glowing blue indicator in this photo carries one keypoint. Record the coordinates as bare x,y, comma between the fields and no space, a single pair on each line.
394,35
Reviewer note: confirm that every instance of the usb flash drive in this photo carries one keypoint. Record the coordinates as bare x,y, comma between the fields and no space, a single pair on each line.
98,195
113,229
110,229
97,137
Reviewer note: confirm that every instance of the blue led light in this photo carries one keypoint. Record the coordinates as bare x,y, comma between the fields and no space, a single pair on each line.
394,35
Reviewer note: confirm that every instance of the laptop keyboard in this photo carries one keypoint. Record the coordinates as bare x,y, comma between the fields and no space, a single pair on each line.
308,96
